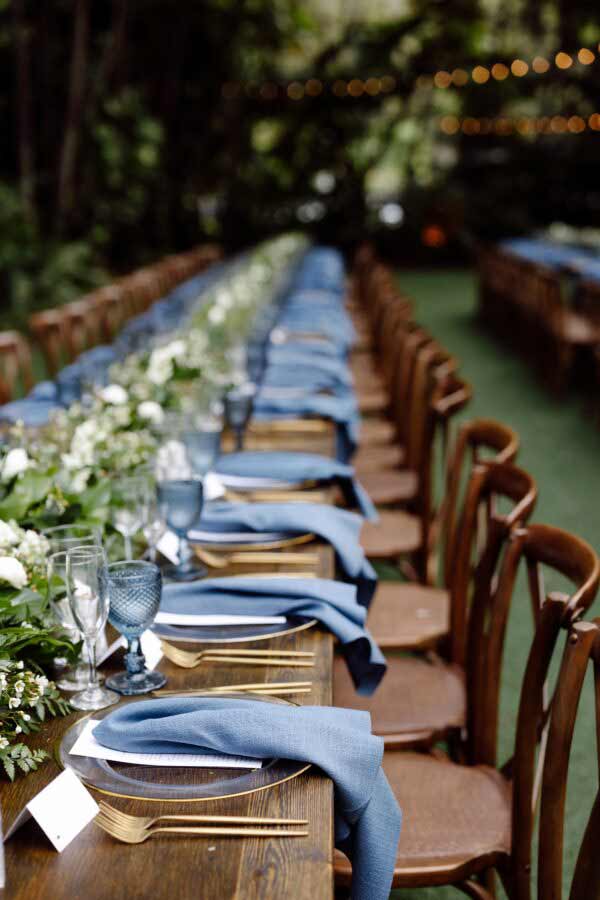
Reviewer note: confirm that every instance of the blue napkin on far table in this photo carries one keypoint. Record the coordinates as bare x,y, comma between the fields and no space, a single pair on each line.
33,413
298,467
338,527
339,741
330,602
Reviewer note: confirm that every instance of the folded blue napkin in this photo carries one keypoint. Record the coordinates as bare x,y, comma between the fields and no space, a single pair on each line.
297,467
338,741
43,390
295,359
341,409
330,602
338,527
33,413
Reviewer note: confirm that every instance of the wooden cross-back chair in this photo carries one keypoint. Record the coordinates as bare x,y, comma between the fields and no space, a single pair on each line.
16,371
414,616
464,821
374,385
399,533
48,330
424,699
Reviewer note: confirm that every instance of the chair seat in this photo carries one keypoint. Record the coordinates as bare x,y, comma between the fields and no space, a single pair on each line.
396,533
374,432
367,383
390,486
408,616
456,820
373,402
417,703
373,459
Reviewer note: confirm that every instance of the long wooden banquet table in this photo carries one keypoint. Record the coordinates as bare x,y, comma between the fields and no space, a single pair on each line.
97,867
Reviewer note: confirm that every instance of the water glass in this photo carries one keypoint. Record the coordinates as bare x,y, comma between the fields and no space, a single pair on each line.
180,503
58,600
239,402
128,516
87,586
134,590
65,537
203,446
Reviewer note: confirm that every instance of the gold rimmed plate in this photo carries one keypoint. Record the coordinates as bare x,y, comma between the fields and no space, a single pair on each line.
231,634
275,542
174,784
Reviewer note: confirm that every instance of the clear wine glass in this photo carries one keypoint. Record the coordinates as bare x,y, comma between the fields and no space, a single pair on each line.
65,537
128,514
87,586
239,402
134,590
180,503
203,445
154,526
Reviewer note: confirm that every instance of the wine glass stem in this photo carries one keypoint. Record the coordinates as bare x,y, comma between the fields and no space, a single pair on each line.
128,547
90,643
239,439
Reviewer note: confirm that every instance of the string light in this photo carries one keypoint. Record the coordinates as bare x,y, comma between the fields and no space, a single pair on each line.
525,125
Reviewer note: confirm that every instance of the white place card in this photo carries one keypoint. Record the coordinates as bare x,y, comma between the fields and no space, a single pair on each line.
168,545
87,745
151,648
62,810
171,618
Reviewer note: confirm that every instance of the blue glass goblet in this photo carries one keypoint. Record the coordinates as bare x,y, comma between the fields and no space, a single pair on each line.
180,503
203,446
134,590
239,402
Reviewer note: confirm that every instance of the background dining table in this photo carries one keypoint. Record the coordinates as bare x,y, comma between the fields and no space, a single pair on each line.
96,866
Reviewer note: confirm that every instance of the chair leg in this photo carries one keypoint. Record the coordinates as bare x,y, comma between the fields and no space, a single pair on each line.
476,891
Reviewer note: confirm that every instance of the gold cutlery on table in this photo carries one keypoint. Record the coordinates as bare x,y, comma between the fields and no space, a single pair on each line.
217,560
136,830
189,660
268,688
276,496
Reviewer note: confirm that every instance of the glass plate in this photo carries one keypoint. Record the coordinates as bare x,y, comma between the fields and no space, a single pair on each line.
174,784
231,634
249,541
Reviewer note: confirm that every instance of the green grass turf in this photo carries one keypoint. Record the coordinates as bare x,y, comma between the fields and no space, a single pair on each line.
561,449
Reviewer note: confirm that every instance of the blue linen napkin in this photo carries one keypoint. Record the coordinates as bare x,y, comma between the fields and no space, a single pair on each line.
309,364
43,390
33,413
339,741
341,409
338,527
330,602
298,467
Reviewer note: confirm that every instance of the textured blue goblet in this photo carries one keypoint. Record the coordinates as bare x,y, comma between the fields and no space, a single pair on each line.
203,447
239,403
134,590
180,503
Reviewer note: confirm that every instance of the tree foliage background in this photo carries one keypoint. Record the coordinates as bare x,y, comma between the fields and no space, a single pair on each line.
135,127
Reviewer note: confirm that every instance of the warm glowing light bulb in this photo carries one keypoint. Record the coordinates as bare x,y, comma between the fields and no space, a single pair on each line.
585,57
356,87
295,90
563,60
449,124
540,65
470,126
480,75
500,71
576,124
558,124
313,87
460,77
519,68
372,86
594,122
442,79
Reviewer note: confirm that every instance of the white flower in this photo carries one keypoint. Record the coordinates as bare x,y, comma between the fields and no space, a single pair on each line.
14,702
15,462
12,571
216,315
151,411
78,481
18,729
3,743
114,394
8,535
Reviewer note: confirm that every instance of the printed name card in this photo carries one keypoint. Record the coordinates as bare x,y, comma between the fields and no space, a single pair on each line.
62,810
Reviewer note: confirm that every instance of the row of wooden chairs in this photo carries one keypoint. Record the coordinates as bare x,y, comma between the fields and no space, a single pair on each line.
465,817
525,303
63,333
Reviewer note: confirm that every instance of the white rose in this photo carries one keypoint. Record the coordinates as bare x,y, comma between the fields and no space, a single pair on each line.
15,462
8,536
151,411
12,571
216,315
114,394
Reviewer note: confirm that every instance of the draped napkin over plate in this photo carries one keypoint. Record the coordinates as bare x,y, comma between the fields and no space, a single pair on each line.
338,527
330,602
298,467
339,741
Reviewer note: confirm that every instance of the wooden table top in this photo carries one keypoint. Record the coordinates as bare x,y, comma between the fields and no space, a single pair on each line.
96,867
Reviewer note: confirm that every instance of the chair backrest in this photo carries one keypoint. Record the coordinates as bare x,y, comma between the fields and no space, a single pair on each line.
538,546
16,370
49,331
476,441
582,648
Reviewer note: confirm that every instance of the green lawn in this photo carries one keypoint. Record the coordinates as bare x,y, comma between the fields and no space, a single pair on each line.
561,448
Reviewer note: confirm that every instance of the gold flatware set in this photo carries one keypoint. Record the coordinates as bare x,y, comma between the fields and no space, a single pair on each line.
266,688
188,659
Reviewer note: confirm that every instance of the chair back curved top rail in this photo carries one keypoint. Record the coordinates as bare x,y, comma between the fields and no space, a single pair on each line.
16,370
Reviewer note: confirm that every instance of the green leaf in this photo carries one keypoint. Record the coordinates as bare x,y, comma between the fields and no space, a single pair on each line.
29,488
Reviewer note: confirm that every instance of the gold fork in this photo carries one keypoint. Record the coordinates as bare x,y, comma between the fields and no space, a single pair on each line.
269,688
130,836
189,660
257,557
125,820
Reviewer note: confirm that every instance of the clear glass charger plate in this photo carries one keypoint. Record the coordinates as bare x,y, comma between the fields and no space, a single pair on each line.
231,634
174,784
250,540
